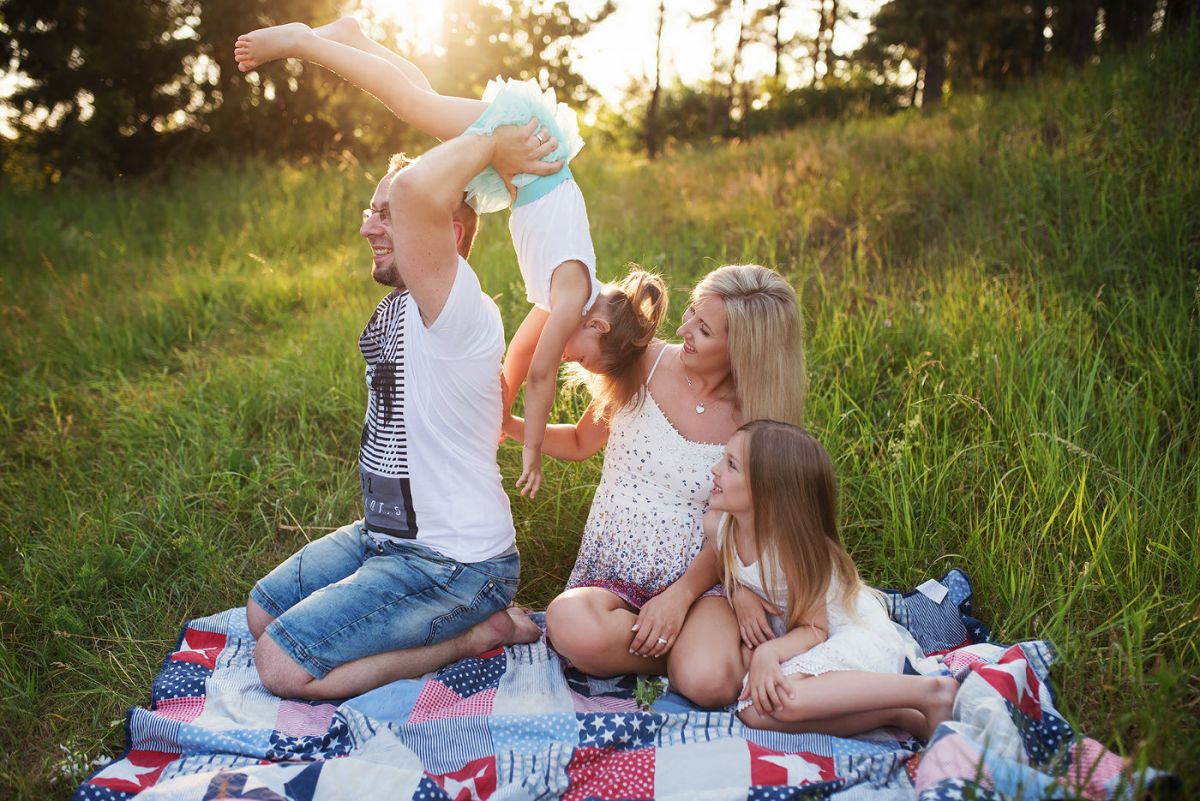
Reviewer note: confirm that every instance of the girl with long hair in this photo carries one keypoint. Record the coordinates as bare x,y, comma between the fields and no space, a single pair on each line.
835,663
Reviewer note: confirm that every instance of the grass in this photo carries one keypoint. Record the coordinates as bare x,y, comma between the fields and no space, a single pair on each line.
1003,302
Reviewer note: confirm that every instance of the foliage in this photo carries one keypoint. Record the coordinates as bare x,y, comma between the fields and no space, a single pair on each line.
90,108
1003,309
648,690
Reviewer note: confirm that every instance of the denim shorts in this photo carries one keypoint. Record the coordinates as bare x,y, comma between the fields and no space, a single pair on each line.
349,595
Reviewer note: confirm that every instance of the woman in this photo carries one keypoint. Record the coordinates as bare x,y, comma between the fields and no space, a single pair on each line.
638,600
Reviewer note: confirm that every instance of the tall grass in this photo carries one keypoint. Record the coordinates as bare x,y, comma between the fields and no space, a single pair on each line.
1002,303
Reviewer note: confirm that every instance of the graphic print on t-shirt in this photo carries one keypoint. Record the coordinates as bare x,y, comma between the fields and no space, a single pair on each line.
383,450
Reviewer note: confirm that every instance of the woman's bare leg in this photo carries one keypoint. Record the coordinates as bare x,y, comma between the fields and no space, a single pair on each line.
705,663
443,117
594,629
836,698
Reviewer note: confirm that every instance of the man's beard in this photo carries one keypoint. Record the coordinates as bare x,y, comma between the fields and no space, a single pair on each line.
388,276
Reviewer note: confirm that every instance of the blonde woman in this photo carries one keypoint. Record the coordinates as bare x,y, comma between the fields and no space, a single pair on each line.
638,599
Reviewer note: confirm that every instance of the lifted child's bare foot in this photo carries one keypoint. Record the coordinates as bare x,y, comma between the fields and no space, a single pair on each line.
256,48
507,627
940,706
345,31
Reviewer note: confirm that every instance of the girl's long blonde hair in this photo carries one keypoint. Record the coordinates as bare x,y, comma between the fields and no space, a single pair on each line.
766,340
793,491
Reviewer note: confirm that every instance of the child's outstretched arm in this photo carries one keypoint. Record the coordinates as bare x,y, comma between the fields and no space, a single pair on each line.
572,442
443,117
569,291
520,352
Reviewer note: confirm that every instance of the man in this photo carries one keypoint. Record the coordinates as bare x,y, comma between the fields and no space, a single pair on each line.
426,577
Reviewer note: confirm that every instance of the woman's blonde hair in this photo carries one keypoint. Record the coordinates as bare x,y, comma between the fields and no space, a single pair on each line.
634,309
766,340
793,494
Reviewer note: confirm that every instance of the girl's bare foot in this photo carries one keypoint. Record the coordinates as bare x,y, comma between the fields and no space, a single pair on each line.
940,705
344,31
256,48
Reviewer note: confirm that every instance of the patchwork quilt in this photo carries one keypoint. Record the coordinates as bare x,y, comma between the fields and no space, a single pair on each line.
514,724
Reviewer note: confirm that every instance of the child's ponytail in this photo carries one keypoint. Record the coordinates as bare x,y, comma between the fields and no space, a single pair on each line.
634,309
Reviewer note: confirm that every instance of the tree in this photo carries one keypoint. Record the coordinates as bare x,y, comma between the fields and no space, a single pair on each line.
656,94
103,75
118,86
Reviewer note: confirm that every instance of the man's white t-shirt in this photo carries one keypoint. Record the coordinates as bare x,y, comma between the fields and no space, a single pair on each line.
427,460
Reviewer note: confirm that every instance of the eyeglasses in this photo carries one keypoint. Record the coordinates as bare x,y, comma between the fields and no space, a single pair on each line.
385,216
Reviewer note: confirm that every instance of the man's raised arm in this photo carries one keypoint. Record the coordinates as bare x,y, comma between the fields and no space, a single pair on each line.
424,197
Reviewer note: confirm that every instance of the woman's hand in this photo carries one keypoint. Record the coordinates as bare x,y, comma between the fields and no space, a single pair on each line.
766,686
659,621
752,614
520,148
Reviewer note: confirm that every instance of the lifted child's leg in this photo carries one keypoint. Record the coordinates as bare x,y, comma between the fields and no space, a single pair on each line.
443,117
347,31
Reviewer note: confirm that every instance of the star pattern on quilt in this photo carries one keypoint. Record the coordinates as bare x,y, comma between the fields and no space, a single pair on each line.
618,729
476,781
333,743
256,746
135,772
201,647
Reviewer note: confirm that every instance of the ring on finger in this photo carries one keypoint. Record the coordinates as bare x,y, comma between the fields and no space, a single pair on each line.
662,640
540,137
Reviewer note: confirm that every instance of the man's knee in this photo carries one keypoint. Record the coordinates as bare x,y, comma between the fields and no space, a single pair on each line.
257,618
277,671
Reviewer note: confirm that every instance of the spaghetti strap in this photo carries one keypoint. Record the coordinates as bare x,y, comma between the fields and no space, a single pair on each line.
661,352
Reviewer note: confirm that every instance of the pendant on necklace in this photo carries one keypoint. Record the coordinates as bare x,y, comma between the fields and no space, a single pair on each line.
699,408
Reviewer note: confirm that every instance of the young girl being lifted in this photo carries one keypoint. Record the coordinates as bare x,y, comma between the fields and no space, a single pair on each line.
833,661
603,328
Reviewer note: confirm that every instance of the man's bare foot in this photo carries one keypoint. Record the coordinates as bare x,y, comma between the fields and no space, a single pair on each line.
940,706
344,31
507,627
256,48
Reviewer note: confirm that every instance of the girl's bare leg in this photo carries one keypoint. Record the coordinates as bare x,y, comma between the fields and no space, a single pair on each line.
851,725
348,32
838,696
594,629
443,117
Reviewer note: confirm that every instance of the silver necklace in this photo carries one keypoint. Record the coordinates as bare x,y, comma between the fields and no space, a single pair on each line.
699,403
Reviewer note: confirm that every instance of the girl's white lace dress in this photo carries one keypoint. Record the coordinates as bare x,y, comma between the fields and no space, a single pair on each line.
863,639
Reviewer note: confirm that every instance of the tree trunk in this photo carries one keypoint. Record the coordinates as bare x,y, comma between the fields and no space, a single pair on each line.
778,38
1181,13
830,30
819,43
652,111
912,100
1037,49
935,73
1126,21
736,64
1075,30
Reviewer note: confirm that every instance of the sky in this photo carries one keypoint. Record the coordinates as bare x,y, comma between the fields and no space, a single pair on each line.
620,50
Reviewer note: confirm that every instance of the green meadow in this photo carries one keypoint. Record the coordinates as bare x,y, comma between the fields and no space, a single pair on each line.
1002,303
